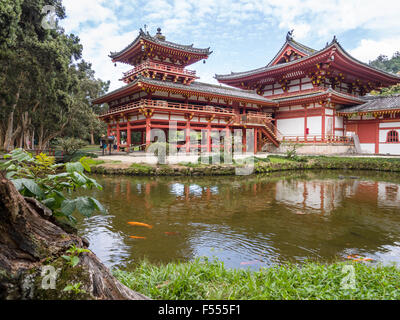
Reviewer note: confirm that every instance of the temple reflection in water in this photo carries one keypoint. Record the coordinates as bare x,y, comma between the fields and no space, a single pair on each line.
265,220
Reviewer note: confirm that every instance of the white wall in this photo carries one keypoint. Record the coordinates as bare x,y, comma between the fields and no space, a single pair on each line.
367,147
315,125
392,148
291,127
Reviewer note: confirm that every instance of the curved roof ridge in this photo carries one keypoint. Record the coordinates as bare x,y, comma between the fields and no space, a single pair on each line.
154,39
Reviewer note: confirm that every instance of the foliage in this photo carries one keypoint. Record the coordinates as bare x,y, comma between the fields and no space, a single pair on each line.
75,288
291,152
70,146
73,258
384,63
45,87
390,65
204,279
40,177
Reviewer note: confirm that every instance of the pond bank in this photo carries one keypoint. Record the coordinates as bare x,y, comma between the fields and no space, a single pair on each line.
210,280
261,165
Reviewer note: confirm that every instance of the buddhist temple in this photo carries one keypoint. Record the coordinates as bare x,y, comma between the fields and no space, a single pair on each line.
317,98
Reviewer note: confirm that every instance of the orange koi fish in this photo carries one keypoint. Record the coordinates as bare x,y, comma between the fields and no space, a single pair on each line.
133,223
135,237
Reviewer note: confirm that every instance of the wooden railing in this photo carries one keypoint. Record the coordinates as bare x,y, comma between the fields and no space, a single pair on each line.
160,67
317,138
160,104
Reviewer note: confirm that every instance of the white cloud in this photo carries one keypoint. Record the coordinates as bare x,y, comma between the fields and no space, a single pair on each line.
370,49
105,25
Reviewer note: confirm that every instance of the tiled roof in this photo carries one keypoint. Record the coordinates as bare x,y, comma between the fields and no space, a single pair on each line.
375,103
198,87
313,53
147,36
320,93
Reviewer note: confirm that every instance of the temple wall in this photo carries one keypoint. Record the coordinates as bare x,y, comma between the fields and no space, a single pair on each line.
291,127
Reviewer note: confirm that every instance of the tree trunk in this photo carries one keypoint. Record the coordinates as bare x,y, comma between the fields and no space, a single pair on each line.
32,242
91,137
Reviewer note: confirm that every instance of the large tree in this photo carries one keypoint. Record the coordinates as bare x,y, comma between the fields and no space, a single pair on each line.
390,65
45,87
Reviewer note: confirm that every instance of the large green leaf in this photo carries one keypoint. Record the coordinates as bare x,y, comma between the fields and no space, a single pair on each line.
98,205
68,207
30,185
85,206
78,178
74,167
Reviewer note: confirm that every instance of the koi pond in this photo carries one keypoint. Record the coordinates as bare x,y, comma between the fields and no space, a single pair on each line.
253,221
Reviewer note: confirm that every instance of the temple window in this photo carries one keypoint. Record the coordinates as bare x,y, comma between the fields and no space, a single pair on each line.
392,136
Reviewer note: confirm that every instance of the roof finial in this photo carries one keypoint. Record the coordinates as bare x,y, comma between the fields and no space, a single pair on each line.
289,35
159,35
334,39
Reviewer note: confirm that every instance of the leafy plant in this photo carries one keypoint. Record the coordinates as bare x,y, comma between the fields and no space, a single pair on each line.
291,152
70,145
75,288
40,177
73,258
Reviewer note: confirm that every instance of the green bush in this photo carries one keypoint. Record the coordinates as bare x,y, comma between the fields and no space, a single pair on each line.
41,178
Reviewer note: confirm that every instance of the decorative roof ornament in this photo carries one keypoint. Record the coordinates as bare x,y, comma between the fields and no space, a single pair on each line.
334,40
289,36
159,35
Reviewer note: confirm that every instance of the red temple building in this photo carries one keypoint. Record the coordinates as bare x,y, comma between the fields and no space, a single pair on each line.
314,97
159,89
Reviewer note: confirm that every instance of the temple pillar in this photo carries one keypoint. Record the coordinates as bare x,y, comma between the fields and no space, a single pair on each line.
244,140
323,125
187,136
255,140
118,136
148,130
128,138
209,136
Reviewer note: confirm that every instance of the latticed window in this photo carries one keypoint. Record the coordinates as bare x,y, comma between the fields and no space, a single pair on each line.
392,136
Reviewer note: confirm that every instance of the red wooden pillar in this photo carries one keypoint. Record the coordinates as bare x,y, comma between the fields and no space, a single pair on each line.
128,138
228,139
244,140
118,136
323,125
305,123
255,140
209,136
148,129
187,136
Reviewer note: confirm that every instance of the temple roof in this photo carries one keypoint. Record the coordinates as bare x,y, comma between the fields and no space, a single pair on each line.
334,95
374,103
311,57
306,51
160,40
201,87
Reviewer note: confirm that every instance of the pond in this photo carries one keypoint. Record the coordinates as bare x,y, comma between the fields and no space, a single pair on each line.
253,221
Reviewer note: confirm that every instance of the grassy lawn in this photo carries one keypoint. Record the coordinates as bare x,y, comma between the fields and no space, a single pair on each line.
206,279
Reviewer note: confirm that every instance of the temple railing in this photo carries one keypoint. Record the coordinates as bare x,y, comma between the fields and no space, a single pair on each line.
317,138
160,104
159,67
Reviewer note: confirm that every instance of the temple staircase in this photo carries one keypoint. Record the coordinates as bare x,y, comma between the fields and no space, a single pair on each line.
270,134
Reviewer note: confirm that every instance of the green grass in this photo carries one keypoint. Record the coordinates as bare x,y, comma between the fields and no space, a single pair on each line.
140,166
206,279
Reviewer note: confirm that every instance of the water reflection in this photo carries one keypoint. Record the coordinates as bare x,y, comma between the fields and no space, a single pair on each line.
256,221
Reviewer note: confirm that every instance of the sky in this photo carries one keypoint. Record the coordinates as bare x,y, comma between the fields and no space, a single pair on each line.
243,34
